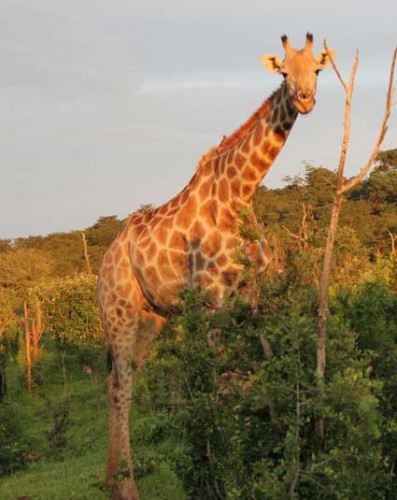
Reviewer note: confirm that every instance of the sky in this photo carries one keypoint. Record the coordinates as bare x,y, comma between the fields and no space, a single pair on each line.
108,105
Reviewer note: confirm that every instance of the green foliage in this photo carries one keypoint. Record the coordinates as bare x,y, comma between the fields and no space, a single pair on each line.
387,159
249,420
76,469
13,443
65,249
23,268
56,436
372,312
369,211
70,309
102,233
10,329
5,245
249,230
100,236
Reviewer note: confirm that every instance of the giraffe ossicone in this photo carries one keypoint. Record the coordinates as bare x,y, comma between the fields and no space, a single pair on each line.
192,241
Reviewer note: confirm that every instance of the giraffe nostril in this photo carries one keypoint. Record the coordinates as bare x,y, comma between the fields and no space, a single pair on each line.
304,95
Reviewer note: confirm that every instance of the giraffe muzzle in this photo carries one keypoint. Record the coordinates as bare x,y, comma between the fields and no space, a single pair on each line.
304,102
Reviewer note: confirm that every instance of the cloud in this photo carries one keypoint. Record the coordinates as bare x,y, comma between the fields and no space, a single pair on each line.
225,81
109,105
53,52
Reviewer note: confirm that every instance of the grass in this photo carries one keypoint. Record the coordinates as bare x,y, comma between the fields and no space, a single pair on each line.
82,478
63,424
71,478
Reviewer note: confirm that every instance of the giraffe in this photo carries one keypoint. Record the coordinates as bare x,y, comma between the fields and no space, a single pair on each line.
192,241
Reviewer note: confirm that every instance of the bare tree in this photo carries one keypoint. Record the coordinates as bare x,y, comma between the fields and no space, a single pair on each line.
303,236
86,254
343,187
37,329
393,238
28,346
33,333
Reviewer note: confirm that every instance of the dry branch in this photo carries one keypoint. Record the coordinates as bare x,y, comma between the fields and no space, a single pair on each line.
303,237
86,255
37,329
382,133
393,238
342,188
28,342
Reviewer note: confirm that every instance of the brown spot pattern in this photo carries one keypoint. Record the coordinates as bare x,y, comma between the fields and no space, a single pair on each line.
177,241
197,231
255,161
223,190
250,174
211,245
248,191
231,172
204,189
240,160
258,134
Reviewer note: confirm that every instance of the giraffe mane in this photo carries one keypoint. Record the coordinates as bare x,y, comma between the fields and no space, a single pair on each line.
228,142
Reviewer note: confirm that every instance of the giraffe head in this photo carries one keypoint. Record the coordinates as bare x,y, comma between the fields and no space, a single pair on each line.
299,69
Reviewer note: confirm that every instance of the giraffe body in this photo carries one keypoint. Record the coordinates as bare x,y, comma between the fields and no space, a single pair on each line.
193,240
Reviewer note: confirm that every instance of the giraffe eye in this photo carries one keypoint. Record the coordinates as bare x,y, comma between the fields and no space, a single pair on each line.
318,71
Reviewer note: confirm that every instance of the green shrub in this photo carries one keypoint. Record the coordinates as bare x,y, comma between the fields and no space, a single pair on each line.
14,446
250,420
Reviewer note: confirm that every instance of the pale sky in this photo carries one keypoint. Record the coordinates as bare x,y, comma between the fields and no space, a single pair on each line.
108,105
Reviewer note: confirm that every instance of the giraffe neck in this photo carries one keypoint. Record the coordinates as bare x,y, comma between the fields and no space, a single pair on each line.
241,161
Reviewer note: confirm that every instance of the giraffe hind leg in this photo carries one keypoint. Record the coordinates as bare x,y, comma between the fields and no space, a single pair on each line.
119,384
126,363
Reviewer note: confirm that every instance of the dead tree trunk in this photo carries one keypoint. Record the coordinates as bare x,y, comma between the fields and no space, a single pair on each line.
37,330
28,347
86,255
343,187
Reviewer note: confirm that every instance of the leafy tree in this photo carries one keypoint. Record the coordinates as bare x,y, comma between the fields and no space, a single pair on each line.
249,420
103,232
70,310
370,307
5,245
65,249
100,236
381,187
23,267
10,328
14,445
388,159
20,269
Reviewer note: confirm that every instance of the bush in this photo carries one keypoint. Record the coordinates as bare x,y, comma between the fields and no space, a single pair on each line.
13,444
249,420
70,309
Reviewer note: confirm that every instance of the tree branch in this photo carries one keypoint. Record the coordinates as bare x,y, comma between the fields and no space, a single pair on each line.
383,130
349,94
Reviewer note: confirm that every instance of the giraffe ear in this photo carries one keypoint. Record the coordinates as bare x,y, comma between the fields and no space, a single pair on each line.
271,63
324,60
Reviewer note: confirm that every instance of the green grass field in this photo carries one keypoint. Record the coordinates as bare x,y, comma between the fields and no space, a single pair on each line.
63,424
